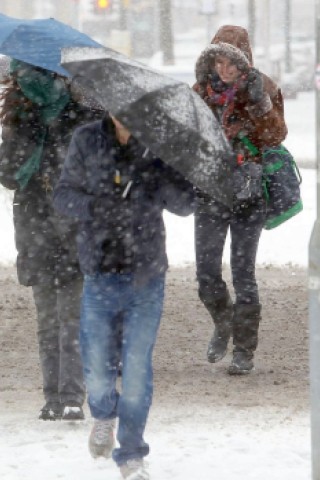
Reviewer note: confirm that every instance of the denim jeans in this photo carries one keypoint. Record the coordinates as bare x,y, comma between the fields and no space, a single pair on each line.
114,303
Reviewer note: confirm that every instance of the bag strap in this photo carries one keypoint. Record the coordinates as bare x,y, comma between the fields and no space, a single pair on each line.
280,149
297,171
252,148
276,166
279,164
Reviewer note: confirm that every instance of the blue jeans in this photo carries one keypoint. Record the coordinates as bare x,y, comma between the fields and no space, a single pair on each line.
113,305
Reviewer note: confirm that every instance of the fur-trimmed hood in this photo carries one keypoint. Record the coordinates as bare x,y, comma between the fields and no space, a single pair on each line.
230,41
236,36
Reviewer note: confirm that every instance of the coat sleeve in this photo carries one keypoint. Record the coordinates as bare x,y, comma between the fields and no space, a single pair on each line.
14,150
177,194
70,197
268,117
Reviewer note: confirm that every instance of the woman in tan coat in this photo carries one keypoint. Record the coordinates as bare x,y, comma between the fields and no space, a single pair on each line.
249,107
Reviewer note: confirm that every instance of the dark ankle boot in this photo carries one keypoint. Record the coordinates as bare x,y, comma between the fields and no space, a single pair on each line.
246,320
221,312
242,363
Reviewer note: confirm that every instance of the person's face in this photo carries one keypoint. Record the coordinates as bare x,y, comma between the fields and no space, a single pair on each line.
226,70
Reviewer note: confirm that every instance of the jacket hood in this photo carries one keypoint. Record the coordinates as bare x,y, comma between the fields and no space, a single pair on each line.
235,36
231,41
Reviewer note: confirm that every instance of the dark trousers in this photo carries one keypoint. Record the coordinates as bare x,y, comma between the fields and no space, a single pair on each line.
58,315
212,221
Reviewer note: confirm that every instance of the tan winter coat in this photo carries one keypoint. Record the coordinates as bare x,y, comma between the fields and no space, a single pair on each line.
262,123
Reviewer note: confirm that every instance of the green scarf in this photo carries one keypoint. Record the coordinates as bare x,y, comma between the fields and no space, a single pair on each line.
50,94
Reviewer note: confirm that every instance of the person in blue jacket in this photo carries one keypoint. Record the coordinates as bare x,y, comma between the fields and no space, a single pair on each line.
117,191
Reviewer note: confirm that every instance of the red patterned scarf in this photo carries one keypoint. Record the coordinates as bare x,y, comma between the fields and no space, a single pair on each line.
224,97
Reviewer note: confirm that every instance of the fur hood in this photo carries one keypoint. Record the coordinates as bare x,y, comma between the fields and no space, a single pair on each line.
230,41
263,121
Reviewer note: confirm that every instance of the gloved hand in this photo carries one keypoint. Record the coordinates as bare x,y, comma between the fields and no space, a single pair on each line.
255,86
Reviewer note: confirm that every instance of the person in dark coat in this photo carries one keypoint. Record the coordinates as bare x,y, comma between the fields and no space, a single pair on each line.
39,113
249,107
117,191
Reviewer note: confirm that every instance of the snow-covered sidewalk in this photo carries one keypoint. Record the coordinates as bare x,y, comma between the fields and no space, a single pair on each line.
203,424
249,444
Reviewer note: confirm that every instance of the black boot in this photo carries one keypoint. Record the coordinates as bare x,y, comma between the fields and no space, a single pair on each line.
51,411
246,320
221,312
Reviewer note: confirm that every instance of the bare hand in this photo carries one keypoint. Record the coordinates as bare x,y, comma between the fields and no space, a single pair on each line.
122,133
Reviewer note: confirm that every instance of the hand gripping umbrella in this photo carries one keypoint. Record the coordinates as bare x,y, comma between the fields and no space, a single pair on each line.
166,115
39,42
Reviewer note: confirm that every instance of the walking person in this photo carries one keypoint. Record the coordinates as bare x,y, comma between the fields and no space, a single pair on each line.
39,113
249,108
118,191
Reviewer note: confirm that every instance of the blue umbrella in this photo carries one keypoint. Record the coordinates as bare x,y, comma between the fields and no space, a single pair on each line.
39,42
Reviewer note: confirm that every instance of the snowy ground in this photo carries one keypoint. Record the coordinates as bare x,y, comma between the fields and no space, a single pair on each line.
228,433
203,423
184,450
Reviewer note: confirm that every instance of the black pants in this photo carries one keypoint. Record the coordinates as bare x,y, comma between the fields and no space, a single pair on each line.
212,221
58,315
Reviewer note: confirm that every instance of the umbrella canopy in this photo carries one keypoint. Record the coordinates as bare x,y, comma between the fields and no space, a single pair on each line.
164,114
39,42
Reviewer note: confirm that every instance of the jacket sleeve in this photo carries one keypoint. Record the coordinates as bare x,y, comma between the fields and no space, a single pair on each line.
177,194
14,150
268,117
70,197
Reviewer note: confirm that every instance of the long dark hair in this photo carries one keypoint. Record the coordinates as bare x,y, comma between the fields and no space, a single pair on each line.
12,100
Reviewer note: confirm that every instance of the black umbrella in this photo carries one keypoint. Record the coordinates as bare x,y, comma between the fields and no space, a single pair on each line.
165,114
